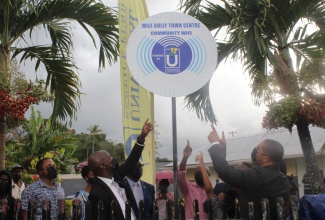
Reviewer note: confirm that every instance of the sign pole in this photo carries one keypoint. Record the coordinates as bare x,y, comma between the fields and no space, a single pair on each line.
175,161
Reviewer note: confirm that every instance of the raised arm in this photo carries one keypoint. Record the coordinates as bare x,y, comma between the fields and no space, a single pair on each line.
186,153
182,181
136,151
206,180
213,137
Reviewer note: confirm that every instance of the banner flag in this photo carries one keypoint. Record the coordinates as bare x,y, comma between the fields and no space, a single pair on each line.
137,103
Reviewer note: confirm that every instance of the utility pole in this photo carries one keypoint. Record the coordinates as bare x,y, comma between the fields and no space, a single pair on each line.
232,133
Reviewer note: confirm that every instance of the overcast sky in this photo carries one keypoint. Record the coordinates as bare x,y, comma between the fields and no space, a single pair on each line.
101,102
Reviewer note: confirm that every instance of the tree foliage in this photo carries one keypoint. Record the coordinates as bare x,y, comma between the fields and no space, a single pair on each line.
21,20
262,34
37,139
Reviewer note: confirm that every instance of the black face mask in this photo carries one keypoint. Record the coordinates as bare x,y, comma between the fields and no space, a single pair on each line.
253,155
52,173
91,180
199,178
162,189
4,188
136,173
16,177
115,164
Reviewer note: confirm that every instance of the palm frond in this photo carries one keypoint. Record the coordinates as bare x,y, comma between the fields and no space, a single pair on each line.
312,46
312,73
86,12
63,82
199,101
60,34
191,7
214,16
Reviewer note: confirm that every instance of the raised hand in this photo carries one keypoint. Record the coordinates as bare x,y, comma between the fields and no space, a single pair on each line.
213,136
147,127
199,158
187,150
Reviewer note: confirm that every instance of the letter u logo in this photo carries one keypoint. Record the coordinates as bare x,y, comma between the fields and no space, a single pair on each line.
172,64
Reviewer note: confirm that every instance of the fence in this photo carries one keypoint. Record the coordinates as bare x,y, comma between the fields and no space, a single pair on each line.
77,210
282,210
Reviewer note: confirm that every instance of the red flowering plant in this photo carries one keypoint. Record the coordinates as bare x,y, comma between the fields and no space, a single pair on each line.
79,166
29,178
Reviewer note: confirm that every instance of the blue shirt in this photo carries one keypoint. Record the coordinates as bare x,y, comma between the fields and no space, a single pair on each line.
82,195
39,191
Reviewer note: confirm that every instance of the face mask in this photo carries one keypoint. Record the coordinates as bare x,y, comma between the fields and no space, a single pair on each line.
199,178
16,177
52,173
136,173
91,180
162,189
253,155
4,188
115,164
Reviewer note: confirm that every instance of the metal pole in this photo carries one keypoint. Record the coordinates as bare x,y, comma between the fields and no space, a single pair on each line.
175,161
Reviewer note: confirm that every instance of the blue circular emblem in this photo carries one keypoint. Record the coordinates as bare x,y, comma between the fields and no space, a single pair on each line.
171,55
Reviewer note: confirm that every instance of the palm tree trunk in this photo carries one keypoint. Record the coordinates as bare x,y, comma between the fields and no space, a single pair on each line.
2,142
310,157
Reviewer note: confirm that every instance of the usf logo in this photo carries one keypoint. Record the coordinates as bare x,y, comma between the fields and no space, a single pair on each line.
172,58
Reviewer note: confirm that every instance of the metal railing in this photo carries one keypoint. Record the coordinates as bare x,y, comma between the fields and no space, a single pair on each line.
77,210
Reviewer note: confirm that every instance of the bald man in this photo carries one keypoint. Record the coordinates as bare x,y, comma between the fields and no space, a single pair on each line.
108,185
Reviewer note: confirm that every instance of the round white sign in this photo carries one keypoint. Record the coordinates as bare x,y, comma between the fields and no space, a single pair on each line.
171,54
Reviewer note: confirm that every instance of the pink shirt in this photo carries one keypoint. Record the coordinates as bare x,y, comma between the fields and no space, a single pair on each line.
191,191
162,205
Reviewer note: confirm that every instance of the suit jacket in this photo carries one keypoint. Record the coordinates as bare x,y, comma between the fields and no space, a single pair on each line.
100,191
255,183
149,197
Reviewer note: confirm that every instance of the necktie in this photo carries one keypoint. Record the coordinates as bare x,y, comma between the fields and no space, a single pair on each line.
136,193
119,190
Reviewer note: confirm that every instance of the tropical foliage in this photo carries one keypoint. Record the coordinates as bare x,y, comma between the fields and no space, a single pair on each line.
35,140
94,131
86,141
262,34
19,21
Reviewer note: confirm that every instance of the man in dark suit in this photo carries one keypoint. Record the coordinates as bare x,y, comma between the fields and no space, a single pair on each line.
261,181
142,191
108,185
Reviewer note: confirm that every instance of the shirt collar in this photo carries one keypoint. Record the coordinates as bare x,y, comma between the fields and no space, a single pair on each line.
108,181
131,182
40,181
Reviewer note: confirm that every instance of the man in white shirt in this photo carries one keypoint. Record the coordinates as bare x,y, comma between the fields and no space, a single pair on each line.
18,186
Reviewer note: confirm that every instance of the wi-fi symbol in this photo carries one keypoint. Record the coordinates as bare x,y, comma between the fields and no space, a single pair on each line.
171,41
143,55
199,55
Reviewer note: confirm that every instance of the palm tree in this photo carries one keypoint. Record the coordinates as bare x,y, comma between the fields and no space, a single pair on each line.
94,130
18,18
266,33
